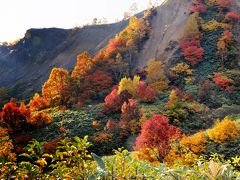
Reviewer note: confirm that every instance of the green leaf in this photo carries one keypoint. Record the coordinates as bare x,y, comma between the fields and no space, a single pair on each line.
26,155
99,161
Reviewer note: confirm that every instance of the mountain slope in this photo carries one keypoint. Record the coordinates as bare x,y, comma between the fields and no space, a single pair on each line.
167,28
32,58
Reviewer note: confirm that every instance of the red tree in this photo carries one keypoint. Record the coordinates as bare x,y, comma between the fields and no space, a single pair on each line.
96,83
192,51
145,93
223,81
112,102
157,133
187,43
14,117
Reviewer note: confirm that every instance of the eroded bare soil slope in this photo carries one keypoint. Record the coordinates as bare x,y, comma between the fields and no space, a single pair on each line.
167,28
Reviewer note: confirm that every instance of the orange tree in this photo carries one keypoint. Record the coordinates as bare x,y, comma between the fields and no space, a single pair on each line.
84,63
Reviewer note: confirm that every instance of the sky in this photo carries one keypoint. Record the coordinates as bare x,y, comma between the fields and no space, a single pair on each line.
16,16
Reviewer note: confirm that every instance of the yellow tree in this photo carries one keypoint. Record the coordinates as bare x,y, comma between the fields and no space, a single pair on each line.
156,78
84,63
192,27
129,85
55,89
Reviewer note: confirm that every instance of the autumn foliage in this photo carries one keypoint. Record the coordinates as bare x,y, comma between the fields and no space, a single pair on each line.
145,93
196,143
198,7
224,131
84,63
129,120
95,83
182,69
51,146
111,125
188,150
14,117
224,43
6,147
157,134
38,103
156,78
40,119
223,81
129,84
55,89
192,27
101,137
114,101
127,42
115,45
204,89
192,51
213,25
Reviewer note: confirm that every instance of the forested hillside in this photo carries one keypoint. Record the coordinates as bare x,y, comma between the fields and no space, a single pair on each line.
159,101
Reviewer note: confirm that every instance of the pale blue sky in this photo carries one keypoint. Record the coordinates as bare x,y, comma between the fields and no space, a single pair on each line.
16,16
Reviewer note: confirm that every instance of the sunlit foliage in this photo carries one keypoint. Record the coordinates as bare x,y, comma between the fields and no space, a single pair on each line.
156,135
129,84
56,87
224,131
84,63
14,117
39,119
38,103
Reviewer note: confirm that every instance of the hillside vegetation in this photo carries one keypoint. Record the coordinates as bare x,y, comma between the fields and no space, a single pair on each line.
116,115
